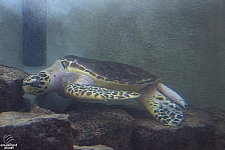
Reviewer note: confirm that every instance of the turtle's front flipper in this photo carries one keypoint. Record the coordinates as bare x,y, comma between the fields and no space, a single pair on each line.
98,93
164,110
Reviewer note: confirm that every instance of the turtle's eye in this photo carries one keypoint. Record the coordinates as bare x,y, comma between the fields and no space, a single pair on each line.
32,80
34,83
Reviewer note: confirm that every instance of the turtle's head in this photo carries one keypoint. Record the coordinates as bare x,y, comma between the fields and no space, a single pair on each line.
37,84
46,81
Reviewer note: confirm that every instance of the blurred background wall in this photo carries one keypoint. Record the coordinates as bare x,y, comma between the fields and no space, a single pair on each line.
181,41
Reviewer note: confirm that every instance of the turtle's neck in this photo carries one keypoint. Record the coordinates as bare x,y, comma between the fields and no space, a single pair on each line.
55,73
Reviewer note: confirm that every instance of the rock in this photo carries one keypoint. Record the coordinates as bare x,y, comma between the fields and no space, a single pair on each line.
95,147
219,122
38,110
196,132
11,93
119,127
36,131
94,124
99,124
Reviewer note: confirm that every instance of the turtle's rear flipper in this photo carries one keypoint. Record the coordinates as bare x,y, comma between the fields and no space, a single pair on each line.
98,93
171,94
164,110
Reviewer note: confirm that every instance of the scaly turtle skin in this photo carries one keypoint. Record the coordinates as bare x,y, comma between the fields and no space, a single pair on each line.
81,78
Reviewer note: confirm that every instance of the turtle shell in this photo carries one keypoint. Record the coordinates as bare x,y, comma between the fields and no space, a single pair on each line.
109,74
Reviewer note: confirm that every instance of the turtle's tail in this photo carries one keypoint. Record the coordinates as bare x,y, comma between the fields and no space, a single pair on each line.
164,110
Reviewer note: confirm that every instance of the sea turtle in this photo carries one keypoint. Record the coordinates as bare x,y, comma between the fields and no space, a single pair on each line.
80,78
